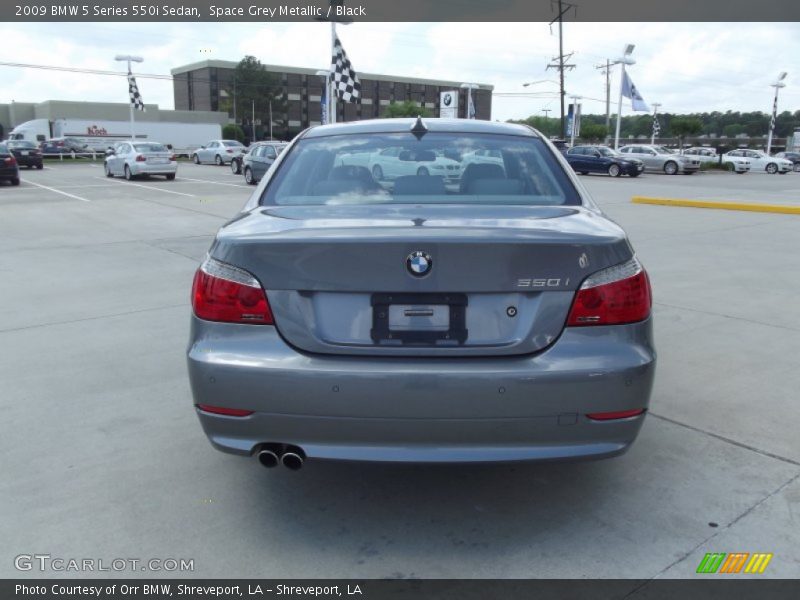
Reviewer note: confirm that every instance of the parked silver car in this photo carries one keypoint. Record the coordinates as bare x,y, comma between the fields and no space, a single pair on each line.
659,158
132,159
343,317
260,158
218,152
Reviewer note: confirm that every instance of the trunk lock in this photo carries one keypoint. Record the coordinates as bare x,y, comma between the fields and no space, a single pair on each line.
511,311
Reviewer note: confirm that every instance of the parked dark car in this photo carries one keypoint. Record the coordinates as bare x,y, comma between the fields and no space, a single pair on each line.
256,162
9,171
600,159
26,153
63,146
792,156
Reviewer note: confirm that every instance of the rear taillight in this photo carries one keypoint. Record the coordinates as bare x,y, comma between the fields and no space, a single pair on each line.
229,151
10,161
222,410
222,292
619,294
173,158
140,158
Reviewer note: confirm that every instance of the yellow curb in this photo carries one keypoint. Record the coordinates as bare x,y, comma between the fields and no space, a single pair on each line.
753,207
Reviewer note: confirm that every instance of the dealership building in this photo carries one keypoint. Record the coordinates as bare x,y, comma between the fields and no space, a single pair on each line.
208,86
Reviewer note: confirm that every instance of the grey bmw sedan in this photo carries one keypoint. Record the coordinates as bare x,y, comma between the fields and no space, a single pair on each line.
498,317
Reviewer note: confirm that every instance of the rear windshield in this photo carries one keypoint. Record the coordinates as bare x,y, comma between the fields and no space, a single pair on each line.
13,144
150,148
231,144
439,168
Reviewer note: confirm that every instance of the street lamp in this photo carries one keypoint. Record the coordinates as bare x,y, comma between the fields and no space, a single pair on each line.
624,60
470,106
539,81
129,59
777,85
575,115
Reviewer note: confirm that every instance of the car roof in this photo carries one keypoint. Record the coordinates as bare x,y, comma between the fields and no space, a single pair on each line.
433,125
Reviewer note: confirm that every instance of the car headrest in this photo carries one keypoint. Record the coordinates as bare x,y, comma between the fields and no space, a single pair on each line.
495,187
480,171
419,185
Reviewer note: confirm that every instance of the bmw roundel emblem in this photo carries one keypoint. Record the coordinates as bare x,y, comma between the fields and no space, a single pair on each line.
419,263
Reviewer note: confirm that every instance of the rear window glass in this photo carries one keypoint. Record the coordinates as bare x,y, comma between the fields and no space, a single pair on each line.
439,168
21,144
231,144
150,148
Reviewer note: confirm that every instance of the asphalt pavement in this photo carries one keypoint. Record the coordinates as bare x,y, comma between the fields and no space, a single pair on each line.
103,456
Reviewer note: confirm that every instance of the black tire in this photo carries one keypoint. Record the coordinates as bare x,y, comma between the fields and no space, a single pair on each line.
423,172
128,174
107,170
730,166
614,170
772,168
236,167
15,181
784,172
218,161
584,172
196,159
40,166
248,176
377,172
634,174
796,168
671,167
170,177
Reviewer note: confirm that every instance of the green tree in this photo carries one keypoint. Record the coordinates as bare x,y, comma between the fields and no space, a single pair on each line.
251,87
408,108
593,132
681,127
231,131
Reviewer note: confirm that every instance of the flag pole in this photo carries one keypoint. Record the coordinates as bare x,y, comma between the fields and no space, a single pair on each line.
133,134
619,107
331,83
655,116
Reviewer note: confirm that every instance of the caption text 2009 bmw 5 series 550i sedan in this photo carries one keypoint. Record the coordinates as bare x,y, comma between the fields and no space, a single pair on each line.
372,302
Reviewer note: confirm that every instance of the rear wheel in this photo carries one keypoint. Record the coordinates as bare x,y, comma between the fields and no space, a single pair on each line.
218,160
15,181
171,176
377,172
584,172
128,174
614,170
248,176
671,168
772,168
236,167
107,170
40,166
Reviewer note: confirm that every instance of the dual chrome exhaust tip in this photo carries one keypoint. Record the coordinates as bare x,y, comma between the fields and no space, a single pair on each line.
291,457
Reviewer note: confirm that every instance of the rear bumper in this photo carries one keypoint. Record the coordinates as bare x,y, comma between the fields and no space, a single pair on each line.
146,169
423,410
9,173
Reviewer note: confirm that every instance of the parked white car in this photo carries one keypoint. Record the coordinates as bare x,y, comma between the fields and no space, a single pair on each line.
132,159
761,161
394,162
493,157
218,152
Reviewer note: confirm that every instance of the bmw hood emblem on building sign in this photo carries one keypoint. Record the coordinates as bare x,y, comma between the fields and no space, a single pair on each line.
419,263
448,99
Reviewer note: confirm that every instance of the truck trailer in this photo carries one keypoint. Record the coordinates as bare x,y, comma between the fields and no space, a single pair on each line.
100,135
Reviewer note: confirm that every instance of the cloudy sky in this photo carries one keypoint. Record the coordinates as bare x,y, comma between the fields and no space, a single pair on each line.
684,67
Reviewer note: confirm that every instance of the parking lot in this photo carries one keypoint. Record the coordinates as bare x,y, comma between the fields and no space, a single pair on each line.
104,457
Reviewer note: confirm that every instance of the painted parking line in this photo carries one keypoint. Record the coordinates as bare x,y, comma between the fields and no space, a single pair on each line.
150,187
724,205
51,189
67,187
216,182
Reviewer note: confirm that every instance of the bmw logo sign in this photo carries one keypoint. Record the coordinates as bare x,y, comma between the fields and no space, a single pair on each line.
448,99
419,263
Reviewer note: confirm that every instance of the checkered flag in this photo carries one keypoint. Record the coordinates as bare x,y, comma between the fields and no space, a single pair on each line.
133,91
774,112
656,126
344,78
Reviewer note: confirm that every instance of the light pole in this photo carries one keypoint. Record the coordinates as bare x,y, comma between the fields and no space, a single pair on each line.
470,106
575,116
624,60
129,59
777,85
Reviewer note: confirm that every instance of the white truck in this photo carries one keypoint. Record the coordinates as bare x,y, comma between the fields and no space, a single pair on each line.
100,135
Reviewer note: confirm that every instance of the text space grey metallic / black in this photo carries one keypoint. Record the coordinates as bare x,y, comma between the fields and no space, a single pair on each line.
398,314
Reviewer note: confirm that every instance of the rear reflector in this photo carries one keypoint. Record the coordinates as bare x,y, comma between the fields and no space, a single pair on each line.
613,296
221,410
620,414
225,293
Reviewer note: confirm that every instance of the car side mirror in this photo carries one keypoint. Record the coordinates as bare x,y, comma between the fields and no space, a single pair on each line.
110,152
596,154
